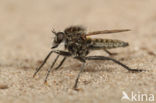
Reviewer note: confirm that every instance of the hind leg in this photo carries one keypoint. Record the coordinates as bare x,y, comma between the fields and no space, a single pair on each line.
113,60
108,52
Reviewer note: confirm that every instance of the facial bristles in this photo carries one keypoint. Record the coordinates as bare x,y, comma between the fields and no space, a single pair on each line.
53,31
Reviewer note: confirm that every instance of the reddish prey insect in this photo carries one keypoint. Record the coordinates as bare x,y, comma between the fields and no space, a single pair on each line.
78,45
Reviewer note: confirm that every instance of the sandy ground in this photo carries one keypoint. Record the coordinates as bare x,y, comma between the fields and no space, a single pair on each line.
25,39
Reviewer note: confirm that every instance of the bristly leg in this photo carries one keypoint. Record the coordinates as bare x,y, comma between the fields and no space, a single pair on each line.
49,70
81,70
63,60
108,52
63,53
108,58
45,60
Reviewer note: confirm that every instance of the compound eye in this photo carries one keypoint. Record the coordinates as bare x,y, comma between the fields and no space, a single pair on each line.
60,37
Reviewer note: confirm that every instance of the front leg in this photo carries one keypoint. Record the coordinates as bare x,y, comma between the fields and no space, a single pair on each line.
45,60
63,53
50,69
108,52
63,60
81,59
108,58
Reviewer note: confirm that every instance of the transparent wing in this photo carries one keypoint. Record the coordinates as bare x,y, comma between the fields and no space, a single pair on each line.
107,32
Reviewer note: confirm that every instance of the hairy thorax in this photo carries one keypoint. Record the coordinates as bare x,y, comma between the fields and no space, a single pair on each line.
76,45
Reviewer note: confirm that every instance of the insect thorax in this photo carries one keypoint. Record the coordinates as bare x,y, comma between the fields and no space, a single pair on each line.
75,43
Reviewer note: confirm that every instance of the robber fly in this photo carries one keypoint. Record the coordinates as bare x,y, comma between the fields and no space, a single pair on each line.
78,45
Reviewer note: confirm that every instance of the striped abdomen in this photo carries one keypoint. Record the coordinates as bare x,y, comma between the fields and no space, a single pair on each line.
105,43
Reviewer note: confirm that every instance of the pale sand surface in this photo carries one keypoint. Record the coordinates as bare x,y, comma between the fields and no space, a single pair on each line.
25,39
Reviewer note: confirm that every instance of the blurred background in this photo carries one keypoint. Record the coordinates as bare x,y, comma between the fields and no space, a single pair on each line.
26,25
25,30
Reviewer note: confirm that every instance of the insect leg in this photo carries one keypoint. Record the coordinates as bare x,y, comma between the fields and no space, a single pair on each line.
60,63
63,53
108,58
45,81
37,69
81,70
109,52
